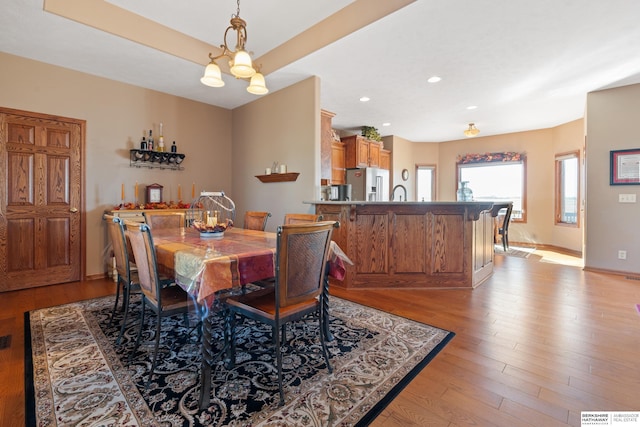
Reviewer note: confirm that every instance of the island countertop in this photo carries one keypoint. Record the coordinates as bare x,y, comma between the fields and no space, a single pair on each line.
391,202
413,244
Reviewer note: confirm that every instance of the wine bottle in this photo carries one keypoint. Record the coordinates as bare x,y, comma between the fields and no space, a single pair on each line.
174,149
161,140
143,143
150,141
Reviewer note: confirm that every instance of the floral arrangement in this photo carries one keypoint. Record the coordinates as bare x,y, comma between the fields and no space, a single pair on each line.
508,156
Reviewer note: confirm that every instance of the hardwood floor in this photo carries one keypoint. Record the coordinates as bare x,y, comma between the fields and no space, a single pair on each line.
535,344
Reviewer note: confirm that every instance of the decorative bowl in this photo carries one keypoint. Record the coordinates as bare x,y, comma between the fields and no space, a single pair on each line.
208,230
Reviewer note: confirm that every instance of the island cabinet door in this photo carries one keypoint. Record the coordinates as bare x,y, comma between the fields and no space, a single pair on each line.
336,213
408,238
371,243
446,243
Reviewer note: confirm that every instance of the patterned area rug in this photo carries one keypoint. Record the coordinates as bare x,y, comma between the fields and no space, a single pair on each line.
78,377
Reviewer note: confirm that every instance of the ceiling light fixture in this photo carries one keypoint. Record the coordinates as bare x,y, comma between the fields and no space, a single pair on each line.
240,63
472,131
434,79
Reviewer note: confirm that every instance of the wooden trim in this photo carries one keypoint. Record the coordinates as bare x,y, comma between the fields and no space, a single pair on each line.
556,189
630,275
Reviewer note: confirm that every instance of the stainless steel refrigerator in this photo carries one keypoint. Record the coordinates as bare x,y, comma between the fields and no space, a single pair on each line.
369,184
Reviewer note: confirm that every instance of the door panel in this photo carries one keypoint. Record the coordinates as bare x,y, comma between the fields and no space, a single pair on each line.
40,215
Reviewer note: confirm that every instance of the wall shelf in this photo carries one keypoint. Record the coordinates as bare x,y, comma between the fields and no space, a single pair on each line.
279,177
155,159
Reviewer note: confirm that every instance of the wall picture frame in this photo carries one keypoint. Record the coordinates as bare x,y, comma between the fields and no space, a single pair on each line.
625,167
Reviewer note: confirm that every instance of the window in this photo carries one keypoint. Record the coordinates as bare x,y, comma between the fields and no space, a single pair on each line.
425,183
498,181
567,188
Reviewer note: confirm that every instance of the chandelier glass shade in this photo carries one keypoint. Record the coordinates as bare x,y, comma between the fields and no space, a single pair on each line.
471,131
240,63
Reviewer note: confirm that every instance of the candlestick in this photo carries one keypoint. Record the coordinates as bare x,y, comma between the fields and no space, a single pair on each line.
179,193
193,190
122,192
136,191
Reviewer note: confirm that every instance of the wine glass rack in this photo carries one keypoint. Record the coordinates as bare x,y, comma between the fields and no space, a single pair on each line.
155,159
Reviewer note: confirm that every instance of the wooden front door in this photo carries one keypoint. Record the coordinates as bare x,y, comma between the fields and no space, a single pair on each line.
40,200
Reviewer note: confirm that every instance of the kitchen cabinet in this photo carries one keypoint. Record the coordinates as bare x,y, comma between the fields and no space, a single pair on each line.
385,159
338,163
361,152
326,139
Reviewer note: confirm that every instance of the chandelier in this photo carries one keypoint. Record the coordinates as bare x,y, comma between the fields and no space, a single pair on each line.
471,131
240,63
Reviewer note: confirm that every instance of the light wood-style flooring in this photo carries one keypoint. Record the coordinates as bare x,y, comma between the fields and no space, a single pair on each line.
535,344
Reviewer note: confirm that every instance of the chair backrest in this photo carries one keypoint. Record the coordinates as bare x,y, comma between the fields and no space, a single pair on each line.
115,229
255,220
507,218
145,255
159,219
301,259
301,218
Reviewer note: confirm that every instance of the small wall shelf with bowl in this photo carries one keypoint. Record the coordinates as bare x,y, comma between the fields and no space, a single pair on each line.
279,177
155,159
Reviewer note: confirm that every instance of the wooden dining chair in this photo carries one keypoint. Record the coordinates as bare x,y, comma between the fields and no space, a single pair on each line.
302,252
256,220
127,272
290,219
164,301
293,218
159,219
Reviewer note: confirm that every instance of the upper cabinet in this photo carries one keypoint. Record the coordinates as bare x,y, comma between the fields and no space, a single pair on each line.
326,140
385,159
338,163
361,152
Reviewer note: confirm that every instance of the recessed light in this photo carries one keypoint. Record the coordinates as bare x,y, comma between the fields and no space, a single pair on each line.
365,99
386,124
472,107
434,79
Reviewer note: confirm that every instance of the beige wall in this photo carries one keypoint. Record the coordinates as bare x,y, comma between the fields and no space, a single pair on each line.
540,147
226,149
116,114
612,120
285,127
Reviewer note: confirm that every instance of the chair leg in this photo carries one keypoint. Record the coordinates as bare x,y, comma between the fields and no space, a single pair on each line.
126,297
323,341
115,304
279,364
155,350
135,347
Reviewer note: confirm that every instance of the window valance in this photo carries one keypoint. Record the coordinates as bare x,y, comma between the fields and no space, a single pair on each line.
508,156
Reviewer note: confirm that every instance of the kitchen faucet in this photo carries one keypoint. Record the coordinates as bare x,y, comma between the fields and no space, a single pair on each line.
393,192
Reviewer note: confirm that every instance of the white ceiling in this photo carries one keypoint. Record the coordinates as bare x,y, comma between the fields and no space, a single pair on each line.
524,64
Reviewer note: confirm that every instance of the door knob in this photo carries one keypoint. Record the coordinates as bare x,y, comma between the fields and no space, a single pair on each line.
73,210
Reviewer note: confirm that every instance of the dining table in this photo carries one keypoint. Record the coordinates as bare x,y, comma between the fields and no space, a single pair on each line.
208,267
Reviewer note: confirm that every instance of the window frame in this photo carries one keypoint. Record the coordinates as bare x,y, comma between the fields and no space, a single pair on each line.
522,161
433,168
558,189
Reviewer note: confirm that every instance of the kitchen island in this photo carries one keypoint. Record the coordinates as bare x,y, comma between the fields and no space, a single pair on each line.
413,244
